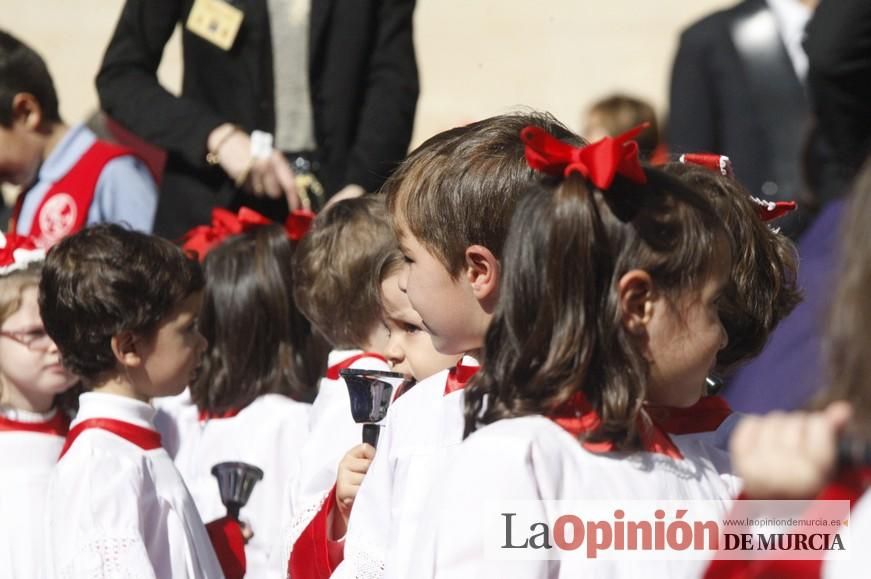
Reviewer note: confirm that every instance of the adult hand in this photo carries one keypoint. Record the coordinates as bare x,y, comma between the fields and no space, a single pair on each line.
352,470
788,455
270,176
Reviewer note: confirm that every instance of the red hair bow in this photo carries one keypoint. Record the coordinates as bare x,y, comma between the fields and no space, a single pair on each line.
767,210
598,162
298,223
202,239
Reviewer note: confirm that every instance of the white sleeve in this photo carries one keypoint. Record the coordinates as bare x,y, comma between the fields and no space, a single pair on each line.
95,521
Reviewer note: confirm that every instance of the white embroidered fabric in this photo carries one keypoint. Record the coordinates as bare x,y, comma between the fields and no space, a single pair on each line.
102,557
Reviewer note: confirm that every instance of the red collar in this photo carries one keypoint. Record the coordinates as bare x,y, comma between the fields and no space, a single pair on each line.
706,415
333,371
205,415
459,376
58,425
578,417
144,438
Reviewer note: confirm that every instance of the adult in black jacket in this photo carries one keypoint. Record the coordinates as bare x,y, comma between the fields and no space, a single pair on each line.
735,91
362,80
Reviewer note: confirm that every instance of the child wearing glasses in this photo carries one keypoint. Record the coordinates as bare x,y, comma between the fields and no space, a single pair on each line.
32,427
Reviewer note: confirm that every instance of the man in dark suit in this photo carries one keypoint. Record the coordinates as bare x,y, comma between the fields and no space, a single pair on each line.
737,89
354,63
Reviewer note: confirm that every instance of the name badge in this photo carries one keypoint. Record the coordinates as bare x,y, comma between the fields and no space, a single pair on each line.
215,21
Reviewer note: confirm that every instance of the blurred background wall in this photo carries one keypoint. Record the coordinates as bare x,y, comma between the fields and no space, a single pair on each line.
476,57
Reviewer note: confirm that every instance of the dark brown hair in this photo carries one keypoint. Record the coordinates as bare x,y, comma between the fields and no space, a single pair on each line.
333,268
104,280
557,329
849,329
459,188
22,70
762,288
259,343
618,113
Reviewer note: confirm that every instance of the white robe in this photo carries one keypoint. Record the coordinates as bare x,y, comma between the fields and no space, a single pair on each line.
116,510
332,433
533,458
269,433
424,427
26,461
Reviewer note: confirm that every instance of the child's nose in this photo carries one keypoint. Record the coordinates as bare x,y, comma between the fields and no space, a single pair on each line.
395,355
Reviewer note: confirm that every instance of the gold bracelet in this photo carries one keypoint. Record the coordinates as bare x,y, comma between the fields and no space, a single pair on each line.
212,156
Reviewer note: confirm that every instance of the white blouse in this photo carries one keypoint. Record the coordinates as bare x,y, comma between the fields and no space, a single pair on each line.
117,510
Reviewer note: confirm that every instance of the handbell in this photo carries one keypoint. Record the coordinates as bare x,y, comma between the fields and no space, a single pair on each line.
371,392
236,480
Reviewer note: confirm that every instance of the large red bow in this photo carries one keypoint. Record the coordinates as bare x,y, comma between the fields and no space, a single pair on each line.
202,239
598,162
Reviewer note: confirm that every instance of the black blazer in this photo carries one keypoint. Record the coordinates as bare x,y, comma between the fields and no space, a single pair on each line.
752,109
363,79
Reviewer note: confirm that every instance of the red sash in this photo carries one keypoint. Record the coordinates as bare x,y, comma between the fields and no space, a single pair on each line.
64,209
144,438
58,425
706,415
333,371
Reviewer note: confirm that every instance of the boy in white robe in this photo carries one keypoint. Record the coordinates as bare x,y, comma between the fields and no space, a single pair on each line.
122,308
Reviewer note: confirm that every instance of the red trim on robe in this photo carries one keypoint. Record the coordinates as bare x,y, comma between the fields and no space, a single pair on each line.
226,537
333,371
706,415
459,376
849,485
58,425
206,415
578,418
144,438
310,555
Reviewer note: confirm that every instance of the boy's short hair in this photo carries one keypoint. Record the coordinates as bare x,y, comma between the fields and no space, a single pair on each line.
763,287
23,70
619,113
333,267
459,187
105,280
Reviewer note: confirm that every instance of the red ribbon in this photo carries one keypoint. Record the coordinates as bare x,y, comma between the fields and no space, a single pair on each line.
578,417
298,223
717,163
202,239
767,211
13,242
598,162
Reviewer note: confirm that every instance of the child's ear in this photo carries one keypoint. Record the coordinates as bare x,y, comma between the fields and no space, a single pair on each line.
482,272
636,295
26,110
125,348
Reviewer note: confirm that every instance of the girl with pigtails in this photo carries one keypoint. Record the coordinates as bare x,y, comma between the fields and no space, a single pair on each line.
611,287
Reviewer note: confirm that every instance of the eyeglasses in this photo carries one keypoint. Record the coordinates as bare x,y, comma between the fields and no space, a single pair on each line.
36,340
